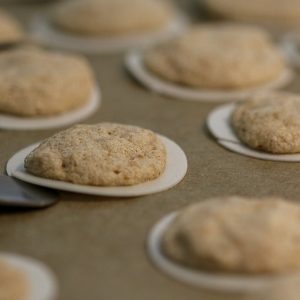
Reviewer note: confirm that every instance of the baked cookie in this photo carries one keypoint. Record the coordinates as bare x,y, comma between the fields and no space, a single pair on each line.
104,154
35,82
112,17
269,122
272,11
218,56
13,283
10,30
235,234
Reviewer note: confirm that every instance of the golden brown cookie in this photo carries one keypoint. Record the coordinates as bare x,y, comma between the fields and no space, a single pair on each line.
112,17
35,82
104,154
222,56
269,122
236,234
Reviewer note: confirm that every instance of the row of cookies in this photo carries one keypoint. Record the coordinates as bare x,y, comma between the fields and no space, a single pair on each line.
246,54
191,66
74,23
233,244
94,19
60,89
257,65
273,12
70,164
57,83
259,57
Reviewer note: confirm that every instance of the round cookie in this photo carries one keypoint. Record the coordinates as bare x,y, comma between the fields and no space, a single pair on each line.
235,234
218,56
274,11
35,82
13,283
269,122
10,30
112,17
104,154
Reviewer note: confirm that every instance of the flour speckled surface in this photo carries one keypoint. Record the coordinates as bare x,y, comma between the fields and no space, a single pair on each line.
269,122
225,56
104,154
36,82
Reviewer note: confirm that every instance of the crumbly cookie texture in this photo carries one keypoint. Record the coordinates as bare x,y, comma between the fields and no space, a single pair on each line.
13,283
222,56
35,82
112,17
283,12
10,29
104,154
269,122
235,234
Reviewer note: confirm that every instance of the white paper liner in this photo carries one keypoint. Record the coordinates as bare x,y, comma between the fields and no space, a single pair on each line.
175,171
218,122
42,282
290,45
21,123
134,63
213,281
43,31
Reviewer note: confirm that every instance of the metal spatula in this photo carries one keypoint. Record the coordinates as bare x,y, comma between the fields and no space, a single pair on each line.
16,193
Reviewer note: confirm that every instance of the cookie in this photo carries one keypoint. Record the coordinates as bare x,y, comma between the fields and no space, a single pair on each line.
104,154
112,17
35,82
10,29
219,56
269,122
238,235
13,283
274,11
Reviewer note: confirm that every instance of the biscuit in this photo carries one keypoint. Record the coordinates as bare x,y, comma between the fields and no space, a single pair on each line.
235,234
10,29
269,122
104,154
112,17
35,82
222,56
13,283
274,11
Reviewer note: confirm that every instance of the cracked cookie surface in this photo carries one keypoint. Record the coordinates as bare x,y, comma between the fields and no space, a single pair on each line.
269,122
104,154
